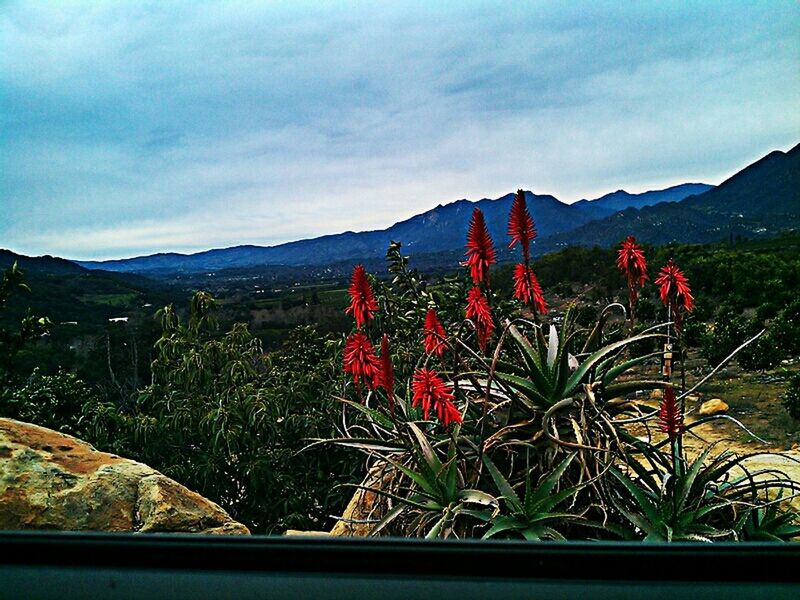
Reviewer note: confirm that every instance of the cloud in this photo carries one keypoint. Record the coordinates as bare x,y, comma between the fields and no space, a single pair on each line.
140,127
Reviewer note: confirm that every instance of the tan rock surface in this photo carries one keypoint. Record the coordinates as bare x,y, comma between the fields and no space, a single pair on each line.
365,508
715,406
50,480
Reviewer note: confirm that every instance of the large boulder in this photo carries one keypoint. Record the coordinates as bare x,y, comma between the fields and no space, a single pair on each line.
50,480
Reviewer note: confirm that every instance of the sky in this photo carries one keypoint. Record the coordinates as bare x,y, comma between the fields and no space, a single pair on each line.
134,127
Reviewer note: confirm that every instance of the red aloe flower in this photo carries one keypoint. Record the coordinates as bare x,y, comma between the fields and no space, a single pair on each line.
631,261
448,413
360,360
430,390
434,334
520,225
387,371
479,311
527,288
362,301
674,291
670,417
480,250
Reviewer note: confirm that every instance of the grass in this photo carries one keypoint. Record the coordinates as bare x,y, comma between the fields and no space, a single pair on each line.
755,399
115,300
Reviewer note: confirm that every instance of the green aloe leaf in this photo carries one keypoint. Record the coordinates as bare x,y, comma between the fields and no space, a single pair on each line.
508,493
590,362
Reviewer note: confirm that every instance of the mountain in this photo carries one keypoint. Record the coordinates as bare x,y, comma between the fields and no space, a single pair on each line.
620,200
768,187
51,265
441,229
83,298
761,200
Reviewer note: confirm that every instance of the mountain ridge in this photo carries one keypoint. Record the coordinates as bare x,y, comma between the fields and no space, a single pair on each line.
438,229
759,200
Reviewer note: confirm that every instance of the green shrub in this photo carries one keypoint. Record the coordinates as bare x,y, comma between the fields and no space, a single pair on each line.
727,333
791,398
230,422
54,401
768,310
786,329
760,355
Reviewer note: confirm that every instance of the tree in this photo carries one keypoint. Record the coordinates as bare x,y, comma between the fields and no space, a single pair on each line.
230,422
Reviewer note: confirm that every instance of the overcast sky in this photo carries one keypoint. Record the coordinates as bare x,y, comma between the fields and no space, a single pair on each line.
129,128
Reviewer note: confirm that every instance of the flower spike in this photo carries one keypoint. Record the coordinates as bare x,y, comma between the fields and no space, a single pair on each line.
673,288
362,300
520,225
479,311
360,360
480,249
430,391
631,261
670,417
434,334
527,288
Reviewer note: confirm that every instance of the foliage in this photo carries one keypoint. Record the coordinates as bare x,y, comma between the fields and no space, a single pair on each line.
228,421
54,401
29,328
677,500
764,353
786,329
726,334
791,398
542,449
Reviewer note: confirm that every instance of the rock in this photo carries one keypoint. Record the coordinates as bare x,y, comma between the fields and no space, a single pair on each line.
50,480
365,508
786,462
715,406
298,532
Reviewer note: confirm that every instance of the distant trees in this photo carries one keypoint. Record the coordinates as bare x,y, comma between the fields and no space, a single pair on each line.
230,422
30,327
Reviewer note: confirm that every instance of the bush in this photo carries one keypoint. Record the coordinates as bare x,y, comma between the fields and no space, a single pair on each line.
786,330
727,333
760,355
791,398
768,310
694,331
54,401
231,423
645,310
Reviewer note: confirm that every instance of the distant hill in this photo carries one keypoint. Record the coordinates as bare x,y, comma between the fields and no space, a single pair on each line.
66,292
620,200
40,264
759,201
770,186
439,230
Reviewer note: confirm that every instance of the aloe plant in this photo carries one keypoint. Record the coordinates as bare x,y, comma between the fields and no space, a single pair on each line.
770,523
535,516
547,373
438,492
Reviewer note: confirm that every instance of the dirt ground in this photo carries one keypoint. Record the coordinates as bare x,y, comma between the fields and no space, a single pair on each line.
754,399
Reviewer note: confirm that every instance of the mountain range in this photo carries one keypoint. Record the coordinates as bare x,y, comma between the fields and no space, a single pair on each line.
760,200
